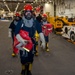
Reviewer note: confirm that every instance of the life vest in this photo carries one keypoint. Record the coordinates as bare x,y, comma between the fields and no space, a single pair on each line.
46,29
24,35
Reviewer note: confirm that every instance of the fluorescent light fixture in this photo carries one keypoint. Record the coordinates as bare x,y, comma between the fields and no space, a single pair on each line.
7,6
3,0
50,1
24,1
17,6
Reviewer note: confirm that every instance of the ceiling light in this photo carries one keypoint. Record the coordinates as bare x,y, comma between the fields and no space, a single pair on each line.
3,0
50,1
24,1
34,1
31,3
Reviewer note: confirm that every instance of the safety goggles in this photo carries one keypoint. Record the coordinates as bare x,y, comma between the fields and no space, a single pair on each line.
28,13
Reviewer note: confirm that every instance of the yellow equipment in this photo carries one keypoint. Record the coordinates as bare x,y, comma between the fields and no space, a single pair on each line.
68,21
59,22
36,38
14,55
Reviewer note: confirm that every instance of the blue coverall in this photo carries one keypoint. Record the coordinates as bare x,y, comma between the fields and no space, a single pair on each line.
28,57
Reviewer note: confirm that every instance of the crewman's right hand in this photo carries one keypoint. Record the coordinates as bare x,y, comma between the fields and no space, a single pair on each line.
21,40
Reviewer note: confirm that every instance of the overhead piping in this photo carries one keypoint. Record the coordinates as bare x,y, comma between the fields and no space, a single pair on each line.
17,6
6,5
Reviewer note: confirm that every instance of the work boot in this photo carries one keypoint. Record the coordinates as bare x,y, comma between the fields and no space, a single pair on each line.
23,69
36,53
29,73
14,55
47,49
29,69
23,72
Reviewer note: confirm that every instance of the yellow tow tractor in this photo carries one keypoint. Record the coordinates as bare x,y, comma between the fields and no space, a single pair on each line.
57,23
68,31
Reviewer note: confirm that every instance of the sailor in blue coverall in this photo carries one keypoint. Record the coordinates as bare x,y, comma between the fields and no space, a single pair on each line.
12,27
44,21
29,24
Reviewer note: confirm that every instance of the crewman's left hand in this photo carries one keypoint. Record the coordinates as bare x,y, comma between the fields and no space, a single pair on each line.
43,45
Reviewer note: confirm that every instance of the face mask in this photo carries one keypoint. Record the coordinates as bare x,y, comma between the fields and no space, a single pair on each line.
44,19
17,18
28,15
37,14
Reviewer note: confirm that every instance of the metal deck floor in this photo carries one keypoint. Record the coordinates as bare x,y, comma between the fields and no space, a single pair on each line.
59,61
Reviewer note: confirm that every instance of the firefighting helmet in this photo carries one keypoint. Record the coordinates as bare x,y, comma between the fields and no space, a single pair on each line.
28,11
44,15
37,9
28,7
17,14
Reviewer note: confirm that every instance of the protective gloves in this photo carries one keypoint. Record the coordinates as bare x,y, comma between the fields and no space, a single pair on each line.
21,40
19,46
24,52
43,44
9,33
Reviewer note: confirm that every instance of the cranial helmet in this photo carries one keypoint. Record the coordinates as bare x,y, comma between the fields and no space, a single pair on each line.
28,7
17,14
28,11
44,15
